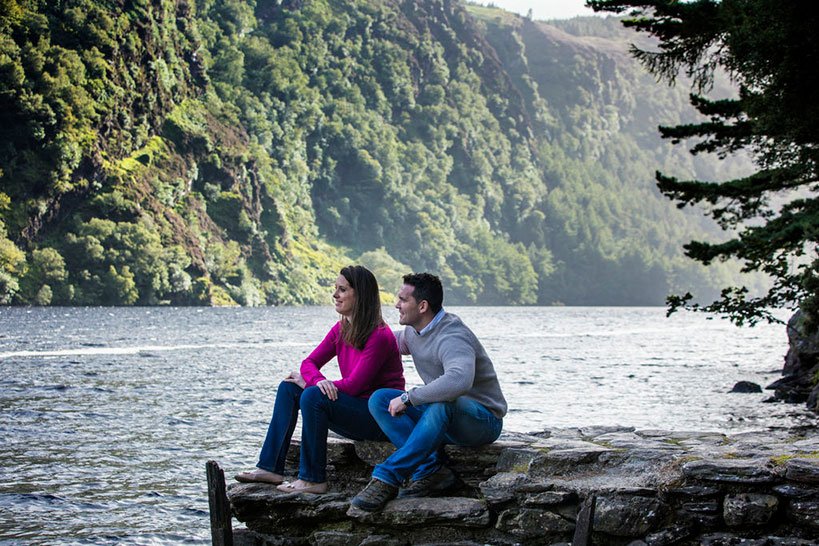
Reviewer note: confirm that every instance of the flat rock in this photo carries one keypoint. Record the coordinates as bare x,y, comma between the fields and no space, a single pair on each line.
561,461
550,498
530,523
802,470
502,487
632,440
708,507
730,471
564,443
791,491
671,535
452,511
335,538
598,430
694,491
516,459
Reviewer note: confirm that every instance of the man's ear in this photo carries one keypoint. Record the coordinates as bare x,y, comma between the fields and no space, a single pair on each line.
423,306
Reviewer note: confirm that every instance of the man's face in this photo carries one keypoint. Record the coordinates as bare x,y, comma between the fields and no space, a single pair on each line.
409,310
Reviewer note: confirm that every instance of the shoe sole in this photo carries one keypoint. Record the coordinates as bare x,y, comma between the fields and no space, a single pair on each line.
366,507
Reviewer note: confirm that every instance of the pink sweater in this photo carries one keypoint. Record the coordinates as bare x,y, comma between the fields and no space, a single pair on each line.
376,366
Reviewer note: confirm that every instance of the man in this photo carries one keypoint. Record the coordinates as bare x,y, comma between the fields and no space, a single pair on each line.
460,403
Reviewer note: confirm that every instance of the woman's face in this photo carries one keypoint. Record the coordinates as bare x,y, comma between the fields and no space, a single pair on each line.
344,297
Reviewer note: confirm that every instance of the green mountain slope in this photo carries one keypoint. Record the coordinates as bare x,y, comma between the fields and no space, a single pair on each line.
226,151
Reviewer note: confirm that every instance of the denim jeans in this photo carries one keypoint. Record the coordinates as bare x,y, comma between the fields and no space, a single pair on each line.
347,416
421,431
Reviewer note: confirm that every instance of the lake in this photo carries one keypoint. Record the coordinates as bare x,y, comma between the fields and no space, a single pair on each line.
109,414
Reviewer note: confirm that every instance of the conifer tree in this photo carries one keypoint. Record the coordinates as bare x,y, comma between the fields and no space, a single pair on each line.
770,49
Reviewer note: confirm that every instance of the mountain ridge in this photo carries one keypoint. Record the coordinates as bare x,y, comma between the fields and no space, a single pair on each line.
249,150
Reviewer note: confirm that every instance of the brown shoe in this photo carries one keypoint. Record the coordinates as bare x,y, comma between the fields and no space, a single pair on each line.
433,485
301,486
375,496
259,476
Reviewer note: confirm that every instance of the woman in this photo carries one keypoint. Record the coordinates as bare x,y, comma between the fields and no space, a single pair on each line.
368,360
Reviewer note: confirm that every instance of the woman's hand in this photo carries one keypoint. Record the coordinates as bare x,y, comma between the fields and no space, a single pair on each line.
328,388
295,377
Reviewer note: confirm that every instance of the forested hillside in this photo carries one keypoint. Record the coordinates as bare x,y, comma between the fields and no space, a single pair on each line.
239,151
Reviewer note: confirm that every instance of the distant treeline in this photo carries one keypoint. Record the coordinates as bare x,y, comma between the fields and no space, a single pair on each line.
210,152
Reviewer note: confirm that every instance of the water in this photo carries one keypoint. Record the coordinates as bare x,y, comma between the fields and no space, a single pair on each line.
107,416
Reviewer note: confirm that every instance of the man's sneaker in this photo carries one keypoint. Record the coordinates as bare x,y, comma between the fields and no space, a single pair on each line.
375,496
432,485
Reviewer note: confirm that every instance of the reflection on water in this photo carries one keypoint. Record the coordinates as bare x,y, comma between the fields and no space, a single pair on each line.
109,415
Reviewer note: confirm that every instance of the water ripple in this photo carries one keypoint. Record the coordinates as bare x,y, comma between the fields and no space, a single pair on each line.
109,415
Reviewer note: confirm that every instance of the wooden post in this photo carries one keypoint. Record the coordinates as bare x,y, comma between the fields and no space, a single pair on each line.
221,527
585,521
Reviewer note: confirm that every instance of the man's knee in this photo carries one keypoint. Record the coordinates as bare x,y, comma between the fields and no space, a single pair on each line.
441,412
379,401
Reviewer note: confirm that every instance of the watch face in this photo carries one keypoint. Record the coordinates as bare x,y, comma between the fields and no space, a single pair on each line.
404,398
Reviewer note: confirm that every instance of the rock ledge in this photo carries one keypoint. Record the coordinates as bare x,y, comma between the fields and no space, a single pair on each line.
650,487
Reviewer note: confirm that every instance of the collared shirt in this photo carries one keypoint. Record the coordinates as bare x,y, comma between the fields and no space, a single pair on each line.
435,320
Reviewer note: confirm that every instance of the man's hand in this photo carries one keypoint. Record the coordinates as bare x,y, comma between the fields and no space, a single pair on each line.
397,407
328,388
295,377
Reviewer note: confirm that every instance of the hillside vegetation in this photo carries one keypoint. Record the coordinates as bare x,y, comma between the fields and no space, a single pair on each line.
217,152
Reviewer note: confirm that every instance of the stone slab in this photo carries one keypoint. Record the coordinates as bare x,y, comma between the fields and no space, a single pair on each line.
738,471
450,511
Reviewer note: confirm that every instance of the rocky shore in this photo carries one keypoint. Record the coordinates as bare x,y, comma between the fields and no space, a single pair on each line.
800,375
647,486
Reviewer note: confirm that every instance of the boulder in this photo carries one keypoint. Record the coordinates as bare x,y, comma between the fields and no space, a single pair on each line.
801,361
746,387
628,516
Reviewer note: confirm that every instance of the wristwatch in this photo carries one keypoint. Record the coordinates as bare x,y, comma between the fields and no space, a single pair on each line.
405,399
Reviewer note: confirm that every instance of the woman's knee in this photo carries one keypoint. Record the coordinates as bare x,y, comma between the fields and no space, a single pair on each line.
312,397
288,389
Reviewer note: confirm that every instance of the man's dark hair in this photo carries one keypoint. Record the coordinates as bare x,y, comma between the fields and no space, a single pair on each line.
426,286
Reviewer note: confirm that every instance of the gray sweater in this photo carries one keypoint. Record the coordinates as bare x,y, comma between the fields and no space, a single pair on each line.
452,363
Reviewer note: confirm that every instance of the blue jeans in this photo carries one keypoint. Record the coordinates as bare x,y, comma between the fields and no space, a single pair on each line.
421,431
347,416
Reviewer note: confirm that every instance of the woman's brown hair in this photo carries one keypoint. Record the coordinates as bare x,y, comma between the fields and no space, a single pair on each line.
366,316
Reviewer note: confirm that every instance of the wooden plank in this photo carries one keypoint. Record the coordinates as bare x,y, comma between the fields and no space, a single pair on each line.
221,526
585,522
